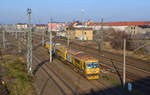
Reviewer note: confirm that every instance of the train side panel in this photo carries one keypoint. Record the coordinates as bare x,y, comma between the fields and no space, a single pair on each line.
61,51
75,63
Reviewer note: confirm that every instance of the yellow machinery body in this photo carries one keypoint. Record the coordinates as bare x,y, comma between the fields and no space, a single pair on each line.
80,61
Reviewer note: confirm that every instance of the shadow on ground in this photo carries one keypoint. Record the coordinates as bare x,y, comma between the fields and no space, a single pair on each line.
139,87
39,66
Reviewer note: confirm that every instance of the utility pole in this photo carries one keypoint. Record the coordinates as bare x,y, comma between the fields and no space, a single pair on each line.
24,35
16,34
13,33
19,44
124,63
43,38
29,55
50,41
4,39
68,39
83,24
102,35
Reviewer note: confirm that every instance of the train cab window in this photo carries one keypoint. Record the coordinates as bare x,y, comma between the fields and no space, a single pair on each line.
90,65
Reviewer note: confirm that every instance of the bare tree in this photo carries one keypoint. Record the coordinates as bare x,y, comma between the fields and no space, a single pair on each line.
117,40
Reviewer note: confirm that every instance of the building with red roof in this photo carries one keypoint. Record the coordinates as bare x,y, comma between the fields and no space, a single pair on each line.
120,26
136,23
56,26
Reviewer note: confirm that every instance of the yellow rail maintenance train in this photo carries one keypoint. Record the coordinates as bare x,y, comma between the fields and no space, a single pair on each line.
83,63
47,45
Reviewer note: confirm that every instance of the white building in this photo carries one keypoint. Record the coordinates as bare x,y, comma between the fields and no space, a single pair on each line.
21,26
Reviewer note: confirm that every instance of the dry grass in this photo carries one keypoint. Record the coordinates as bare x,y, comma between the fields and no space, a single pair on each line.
14,72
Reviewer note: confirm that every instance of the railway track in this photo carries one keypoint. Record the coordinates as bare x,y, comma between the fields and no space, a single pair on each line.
133,73
36,44
130,75
119,59
60,84
64,88
110,60
116,58
97,84
118,93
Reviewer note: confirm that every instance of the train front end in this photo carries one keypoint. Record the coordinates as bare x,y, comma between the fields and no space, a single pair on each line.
92,69
47,45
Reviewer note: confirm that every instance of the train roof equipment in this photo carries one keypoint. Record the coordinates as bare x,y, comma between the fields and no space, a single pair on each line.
84,57
80,55
73,51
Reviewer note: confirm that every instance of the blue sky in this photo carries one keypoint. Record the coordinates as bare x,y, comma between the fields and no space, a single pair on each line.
13,11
